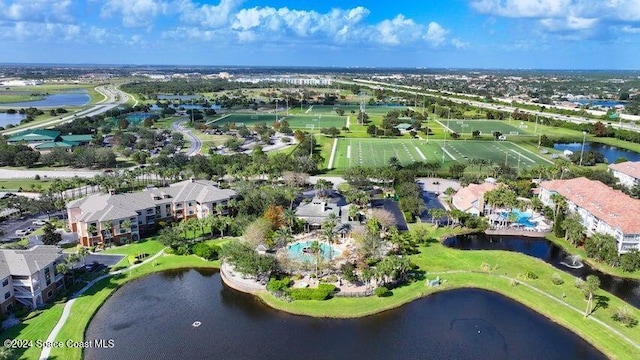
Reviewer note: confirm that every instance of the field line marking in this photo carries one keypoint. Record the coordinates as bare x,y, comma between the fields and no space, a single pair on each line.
349,152
448,153
531,152
309,109
333,153
446,127
348,121
519,153
218,119
420,153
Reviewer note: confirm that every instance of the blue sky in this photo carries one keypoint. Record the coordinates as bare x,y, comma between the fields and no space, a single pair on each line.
550,34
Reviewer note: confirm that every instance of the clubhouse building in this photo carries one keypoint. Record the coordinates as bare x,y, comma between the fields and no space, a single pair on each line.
102,219
47,140
601,209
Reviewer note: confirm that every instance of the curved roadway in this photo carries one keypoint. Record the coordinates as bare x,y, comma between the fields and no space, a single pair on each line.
195,144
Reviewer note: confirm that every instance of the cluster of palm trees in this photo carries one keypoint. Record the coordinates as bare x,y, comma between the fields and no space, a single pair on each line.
69,262
453,216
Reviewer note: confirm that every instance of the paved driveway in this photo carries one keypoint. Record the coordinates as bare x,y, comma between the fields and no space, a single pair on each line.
103,259
392,207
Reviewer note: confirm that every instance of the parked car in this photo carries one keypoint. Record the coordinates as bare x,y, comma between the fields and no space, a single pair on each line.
24,232
39,222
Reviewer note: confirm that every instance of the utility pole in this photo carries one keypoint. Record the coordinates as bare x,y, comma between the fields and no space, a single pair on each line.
276,109
535,131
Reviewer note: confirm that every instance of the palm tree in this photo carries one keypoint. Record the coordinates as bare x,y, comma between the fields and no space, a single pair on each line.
589,288
574,230
329,235
394,163
323,186
289,217
283,236
353,212
560,204
222,224
316,249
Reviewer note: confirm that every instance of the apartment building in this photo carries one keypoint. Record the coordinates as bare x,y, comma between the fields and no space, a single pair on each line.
29,277
601,209
627,173
101,219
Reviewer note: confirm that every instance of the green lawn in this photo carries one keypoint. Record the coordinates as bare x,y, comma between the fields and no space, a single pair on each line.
488,127
144,246
36,328
351,109
301,121
377,152
436,258
30,185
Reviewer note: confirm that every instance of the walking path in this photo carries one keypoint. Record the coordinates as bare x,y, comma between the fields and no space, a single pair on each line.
46,350
546,294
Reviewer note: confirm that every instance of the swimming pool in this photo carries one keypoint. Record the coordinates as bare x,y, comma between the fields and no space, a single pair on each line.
300,251
524,218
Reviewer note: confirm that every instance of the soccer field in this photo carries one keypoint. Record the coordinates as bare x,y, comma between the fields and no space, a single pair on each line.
331,109
488,127
295,121
377,152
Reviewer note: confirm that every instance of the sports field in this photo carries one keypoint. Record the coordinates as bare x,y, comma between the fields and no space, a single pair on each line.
315,121
488,127
331,109
376,152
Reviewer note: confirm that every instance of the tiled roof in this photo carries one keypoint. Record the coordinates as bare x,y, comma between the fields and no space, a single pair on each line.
611,206
78,138
465,198
630,168
104,207
27,262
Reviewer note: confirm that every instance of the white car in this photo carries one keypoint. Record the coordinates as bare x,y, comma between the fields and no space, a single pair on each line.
23,232
39,222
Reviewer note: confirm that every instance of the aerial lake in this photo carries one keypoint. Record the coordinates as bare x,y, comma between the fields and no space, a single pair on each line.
152,317
13,119
69,98
611,153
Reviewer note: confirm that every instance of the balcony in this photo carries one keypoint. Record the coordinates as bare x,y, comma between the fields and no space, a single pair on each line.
25,283
19,293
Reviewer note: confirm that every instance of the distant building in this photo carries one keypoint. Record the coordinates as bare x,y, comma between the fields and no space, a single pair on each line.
601,209
470,199
29,277
101,219
627,173
46,140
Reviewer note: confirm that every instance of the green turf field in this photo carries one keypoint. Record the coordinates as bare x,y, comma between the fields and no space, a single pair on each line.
331,109
315,121
376,152
487,127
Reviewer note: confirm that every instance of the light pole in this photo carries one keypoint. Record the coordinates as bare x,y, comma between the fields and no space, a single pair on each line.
584,137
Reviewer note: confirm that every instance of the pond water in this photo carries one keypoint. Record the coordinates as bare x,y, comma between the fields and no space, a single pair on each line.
152,317
14,119
611,153
69,98
626,289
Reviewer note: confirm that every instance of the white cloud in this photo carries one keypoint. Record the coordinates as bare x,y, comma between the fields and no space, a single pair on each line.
50,11
436,34
206,15
459,44
583,17
134,13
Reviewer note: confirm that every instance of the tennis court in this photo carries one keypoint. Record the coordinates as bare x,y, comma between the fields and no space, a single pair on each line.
488,127
315,121
377,152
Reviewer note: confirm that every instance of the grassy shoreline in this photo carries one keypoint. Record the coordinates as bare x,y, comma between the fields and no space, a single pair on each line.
434,258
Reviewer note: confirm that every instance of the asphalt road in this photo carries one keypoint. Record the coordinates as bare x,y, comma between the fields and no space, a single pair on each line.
195,145
483,105
113,98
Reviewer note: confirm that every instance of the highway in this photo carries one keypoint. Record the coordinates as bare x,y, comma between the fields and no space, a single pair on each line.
489,106
113,97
